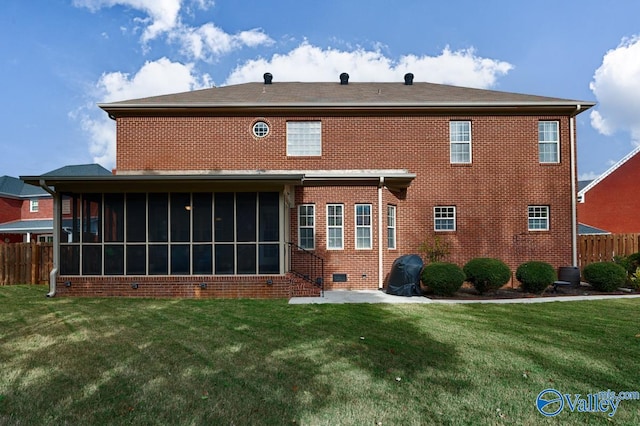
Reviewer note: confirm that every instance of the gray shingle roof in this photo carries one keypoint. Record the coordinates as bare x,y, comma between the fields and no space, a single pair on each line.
14,187
79,170
24,226
290,94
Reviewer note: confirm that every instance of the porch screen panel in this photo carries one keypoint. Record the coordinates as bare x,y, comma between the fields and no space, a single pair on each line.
136,260
92,218
202,260
269,225
180,217
158,259
136,215
91,259
246,216
202,211
70,260
269,258
158,217
223,217
113,218
246,258
224,259
70,218
114,259
180,259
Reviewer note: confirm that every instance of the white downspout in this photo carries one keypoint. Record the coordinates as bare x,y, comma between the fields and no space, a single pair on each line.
53,274
574,208
380,269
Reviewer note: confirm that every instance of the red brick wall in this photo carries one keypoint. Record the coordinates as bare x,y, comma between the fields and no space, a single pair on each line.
189,287
491,194
45,209
613,204
9,209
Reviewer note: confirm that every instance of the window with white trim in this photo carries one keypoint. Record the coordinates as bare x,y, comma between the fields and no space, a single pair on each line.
460,141
391,227
444,218
363,226
538,218
335,226
548,142
304,138
307,226
34,206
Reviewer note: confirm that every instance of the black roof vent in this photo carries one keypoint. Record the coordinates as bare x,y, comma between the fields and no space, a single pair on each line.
344,78
267,78
408,79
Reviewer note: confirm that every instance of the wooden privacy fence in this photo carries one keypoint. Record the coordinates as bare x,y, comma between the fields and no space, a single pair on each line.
603,248
25,263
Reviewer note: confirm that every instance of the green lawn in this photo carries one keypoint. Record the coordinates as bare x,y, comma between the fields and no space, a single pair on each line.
248,362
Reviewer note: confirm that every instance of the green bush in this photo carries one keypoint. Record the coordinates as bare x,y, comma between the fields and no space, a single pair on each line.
604,276
535,276
631,264
487,274
444,279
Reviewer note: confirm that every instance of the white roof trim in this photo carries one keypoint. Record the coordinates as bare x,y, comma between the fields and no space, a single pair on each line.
608,172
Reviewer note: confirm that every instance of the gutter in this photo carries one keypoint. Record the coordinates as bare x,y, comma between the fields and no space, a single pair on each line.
53,274
574,207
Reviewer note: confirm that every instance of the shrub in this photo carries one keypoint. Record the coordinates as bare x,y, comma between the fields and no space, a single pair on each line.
444,279
535,276
486,274
631,264
605,276
436,250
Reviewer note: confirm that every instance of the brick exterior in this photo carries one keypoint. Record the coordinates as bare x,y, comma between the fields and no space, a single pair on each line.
491,195
12,209
9,209
613,203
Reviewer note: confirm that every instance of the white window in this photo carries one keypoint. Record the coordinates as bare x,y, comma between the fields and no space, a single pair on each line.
444,218
391,227
335,226
548,142
33,206
306,226
260,129
304,138
363,226
538,218
460,141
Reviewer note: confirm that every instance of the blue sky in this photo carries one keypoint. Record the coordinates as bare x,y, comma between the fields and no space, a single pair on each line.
61,57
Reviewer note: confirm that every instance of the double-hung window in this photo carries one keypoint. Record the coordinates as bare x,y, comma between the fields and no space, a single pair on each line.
335,226
391,227
548,142
444,218
363,226
306,226
34,206
538,218
460,141
304,138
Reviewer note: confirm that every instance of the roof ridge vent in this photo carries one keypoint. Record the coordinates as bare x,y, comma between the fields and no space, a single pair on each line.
408,79
344,78
268,78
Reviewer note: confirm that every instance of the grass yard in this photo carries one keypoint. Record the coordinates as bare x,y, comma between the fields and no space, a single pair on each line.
249,362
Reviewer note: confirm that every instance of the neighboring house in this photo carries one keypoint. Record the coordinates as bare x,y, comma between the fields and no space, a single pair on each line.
612,201
249,190
26,212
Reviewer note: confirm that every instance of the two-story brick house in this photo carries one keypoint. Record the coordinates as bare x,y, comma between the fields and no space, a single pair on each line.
26,212
239,191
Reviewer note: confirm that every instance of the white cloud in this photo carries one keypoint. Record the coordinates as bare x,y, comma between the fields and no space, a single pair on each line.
163,14
588,176
209,41
154,78
311,63
616,85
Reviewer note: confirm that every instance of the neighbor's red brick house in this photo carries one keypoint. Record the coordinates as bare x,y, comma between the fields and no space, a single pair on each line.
249,190
26,212
612,201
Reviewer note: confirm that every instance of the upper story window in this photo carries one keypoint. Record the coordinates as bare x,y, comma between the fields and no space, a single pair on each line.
538,218
460,141
444,218
306,226
304,138
260,129
34,206
335,226
363,226
548,142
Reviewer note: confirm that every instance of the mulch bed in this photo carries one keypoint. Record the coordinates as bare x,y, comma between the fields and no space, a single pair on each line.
467,292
